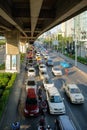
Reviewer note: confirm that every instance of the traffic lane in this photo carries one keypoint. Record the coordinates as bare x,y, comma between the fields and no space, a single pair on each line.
77,111
32,122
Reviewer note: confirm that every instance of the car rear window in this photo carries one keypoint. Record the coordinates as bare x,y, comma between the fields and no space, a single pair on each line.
31,83
31,101
74,90
31,70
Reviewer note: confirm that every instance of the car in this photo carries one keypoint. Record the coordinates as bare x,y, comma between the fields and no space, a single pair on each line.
49,62
31,71
31,104
74,93
47,83
29,62
64,64
56,71
46,56
42,67
55,101
63,122
43,74
38,58
31,83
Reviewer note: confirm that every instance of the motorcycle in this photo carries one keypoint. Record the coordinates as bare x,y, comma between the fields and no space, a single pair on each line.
41,125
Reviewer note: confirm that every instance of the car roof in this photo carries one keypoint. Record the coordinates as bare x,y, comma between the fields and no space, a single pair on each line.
31,93
72,85
42,64
53,91
66,122
31,78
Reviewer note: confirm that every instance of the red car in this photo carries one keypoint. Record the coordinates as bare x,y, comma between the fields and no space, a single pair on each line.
31,105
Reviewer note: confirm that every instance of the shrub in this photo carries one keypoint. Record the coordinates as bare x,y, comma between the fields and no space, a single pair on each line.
5,93
3,82
2,66
1,92
11,82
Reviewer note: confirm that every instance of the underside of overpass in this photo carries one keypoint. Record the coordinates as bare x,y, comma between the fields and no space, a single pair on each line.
33,17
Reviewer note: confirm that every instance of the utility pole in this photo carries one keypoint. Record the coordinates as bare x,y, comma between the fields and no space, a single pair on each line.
75,52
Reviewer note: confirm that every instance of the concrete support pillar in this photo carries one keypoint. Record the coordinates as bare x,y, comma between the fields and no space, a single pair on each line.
22,45
12,52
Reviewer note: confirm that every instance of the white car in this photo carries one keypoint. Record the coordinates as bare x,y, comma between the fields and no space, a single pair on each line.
48,83
55,101
43,74
31,71
56,71
46,56
74,93
42,67
31,83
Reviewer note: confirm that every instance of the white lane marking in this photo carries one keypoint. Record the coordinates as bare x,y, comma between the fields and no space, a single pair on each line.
73,117
76,122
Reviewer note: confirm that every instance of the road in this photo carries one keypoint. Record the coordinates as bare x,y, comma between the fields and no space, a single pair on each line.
78,113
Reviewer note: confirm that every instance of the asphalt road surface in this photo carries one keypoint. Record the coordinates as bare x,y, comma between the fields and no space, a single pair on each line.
78,113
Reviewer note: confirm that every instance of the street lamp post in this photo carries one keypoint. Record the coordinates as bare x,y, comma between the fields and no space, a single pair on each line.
76,52
75,40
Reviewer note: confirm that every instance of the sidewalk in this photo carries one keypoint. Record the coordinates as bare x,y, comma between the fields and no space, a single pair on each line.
10,114
79,66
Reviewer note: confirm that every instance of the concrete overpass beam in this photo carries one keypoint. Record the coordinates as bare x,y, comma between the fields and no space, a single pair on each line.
12,63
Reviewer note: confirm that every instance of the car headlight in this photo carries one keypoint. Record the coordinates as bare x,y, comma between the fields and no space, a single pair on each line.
25,111
73,99
51,108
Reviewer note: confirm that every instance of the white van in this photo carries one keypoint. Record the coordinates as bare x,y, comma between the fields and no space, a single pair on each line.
55,101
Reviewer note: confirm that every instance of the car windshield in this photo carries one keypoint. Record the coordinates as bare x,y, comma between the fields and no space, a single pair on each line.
31,101
48,81
74,90
31,83
49,60
44,73
55,99
56,68
31,70
30,61
42,66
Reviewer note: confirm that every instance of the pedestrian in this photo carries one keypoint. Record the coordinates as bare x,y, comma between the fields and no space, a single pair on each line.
66,71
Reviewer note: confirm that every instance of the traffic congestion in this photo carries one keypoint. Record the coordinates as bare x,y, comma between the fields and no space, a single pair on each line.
46,83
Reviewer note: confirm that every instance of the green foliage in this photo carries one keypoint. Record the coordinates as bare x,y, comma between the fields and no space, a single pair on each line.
11,82
3,82
22,56
1,92
4,79
2,66
2,42
82,60
8,79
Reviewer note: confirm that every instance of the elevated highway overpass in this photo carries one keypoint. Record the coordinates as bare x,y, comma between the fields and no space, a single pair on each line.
22,20
33,17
